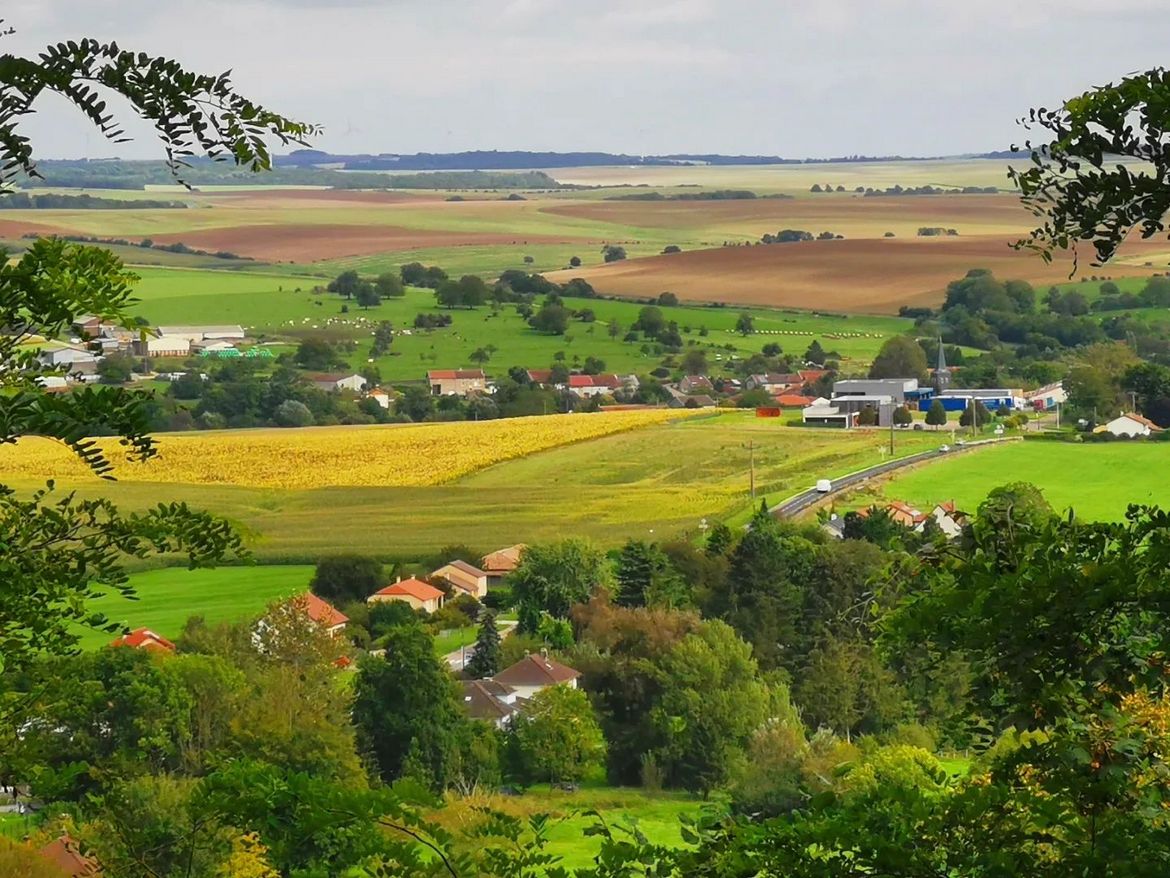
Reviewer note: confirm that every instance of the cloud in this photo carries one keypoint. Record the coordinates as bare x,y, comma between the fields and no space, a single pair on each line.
740,76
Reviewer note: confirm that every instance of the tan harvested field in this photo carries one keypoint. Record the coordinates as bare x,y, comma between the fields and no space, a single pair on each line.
867,276
310,243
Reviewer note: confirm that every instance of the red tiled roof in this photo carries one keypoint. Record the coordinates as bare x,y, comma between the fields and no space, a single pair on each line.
536,670
811,374
321,611
144,638
503,559
65,855
794,399
1134,416
451,374
413,588
594,381
540,376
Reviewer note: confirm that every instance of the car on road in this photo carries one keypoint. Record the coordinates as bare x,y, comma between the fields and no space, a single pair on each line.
943,449
824,486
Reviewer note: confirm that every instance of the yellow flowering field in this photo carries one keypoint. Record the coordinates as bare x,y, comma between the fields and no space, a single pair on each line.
397,455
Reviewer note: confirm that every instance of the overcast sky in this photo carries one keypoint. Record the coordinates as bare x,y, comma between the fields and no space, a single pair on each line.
814,78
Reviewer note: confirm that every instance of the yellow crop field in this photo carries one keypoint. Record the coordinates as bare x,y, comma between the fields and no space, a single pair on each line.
401,455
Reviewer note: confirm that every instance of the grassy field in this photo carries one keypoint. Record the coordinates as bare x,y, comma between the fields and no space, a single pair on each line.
657,482
281,305
1097,481
167,597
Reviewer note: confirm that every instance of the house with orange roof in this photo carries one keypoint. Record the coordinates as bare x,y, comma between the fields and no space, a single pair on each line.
1129,426
323,613
418,594
501,562
794,401
66,855
144,638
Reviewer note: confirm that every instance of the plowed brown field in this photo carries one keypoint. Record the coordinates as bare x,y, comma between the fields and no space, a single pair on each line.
869,276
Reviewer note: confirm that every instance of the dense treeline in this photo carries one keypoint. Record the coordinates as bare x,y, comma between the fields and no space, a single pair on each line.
146,243
54,201
117,174
708,195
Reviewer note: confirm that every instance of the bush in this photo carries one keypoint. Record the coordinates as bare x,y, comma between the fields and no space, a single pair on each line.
342,578
292,413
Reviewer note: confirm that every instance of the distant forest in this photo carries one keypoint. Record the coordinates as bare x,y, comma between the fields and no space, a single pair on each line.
52,201
118,174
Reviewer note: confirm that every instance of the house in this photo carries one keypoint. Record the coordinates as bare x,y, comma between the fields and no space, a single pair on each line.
200,333
501,562
691,384
212,347
1047,397
490,701
808,376
456,382
86,324
594,385
823,413
774,382
71,357
336,382
64,853
1129,426
535,672
53,383
163,346
144,638
680,400
948,518
464,577
381,397
905,514
323,613
540,377
420,595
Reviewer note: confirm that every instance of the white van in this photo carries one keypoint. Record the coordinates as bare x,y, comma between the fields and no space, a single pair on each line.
824,486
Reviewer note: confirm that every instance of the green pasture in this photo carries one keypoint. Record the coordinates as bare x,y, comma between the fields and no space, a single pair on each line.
1097,481
659,482
166,598
279,305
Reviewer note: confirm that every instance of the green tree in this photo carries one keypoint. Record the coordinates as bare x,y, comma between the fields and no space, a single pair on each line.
613,253
575,261
485,661
650,322
552,318
552,577
815,354
367,295
345,284
405,707
975,414
936,415
115,369
293,413
712,701
745,324
556,737
645,577
344,578
449,294
316,354
416,403
389,286
900,357
902,416
694,362
479,356
383,338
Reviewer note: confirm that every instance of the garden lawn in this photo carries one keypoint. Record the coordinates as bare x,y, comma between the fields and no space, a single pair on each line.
1098,481
450,641
167,597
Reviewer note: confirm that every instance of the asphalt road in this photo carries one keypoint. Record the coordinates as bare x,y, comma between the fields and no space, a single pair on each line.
806,499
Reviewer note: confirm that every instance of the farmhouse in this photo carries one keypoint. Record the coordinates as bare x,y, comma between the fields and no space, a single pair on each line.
490,701
381,397
456,382
1047,397
680,400
540,377
794,400
1129,426
200,333
774,382
336,382
464,577
420,595
144,638
696,384
323,613
163,346
501,562
535,672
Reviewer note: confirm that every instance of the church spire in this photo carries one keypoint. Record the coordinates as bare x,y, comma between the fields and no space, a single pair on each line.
942,375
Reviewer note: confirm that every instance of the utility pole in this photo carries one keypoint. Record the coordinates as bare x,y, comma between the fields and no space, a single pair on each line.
891,431
752,467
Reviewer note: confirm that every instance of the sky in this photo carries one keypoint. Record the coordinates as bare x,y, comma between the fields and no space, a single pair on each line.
811,79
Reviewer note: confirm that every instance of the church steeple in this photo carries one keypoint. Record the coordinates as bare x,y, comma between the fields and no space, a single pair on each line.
942,375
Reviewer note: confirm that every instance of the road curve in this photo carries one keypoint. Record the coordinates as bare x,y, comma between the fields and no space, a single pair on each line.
798,503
